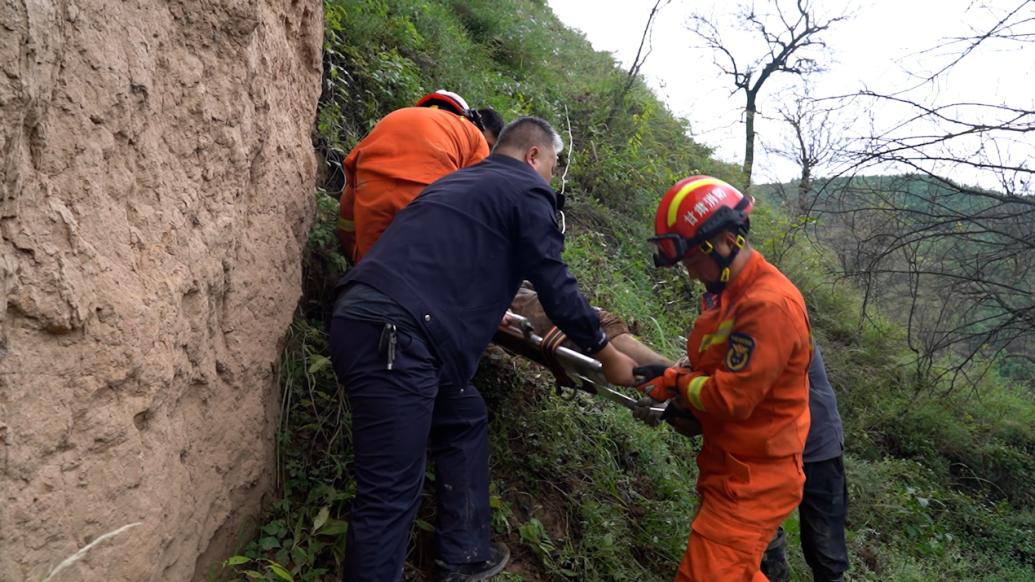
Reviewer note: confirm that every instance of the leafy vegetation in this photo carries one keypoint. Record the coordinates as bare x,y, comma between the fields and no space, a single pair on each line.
941,487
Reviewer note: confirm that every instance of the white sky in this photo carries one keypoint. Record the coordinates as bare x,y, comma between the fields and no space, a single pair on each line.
873,49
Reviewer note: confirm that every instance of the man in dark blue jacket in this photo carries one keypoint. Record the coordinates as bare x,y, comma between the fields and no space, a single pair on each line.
409,328
825,504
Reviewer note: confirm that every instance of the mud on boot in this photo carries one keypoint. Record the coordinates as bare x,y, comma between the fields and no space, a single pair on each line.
499,555
774,560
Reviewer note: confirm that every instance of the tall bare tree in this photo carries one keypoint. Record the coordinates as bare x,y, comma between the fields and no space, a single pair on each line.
792,36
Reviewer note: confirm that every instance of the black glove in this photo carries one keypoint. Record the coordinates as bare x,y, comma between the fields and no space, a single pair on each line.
682,420
646,412
649,372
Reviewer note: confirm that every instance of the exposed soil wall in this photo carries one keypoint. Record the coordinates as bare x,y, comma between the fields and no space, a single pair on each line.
156,174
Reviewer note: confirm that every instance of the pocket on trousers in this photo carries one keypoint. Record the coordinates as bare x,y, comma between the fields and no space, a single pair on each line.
415,350
738,477
742,540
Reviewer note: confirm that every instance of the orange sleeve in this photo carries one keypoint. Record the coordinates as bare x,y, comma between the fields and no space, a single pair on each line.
758,350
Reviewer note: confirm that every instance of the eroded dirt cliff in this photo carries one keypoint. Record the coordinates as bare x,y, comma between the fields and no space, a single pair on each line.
156,173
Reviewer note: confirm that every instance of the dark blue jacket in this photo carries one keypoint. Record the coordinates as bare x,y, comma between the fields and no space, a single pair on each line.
826,434
455,256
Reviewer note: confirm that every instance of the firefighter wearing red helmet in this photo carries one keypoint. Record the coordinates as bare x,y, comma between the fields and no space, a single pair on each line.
749,353
405,152
445,100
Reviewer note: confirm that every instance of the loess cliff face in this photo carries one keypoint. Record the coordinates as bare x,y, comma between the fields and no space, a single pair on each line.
156,174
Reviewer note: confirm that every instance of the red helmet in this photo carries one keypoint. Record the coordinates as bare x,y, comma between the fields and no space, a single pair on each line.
443,99
693,211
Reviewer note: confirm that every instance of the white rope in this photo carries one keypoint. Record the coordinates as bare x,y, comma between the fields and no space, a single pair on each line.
571,151
79,555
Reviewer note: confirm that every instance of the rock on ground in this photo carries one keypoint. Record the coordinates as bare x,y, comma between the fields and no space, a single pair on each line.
156,177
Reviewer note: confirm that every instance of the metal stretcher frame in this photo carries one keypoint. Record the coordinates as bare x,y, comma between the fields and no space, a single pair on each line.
586,373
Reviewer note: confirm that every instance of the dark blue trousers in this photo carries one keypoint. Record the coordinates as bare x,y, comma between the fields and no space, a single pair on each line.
822,514
398,415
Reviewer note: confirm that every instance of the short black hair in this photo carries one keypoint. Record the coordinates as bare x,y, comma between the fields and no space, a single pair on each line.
525,132
492,121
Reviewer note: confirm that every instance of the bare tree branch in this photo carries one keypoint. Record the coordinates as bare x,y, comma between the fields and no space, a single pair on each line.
638,60
1001,30
787,50
817,138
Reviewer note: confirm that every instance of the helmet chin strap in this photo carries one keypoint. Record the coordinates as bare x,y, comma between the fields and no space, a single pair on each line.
724,263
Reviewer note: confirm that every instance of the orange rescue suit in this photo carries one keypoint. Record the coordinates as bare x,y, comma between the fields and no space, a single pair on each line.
407,150
750,351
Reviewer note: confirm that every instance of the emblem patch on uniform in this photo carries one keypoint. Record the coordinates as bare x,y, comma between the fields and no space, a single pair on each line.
739,353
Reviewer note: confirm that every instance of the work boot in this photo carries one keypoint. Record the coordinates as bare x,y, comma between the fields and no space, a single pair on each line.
499,555
774,560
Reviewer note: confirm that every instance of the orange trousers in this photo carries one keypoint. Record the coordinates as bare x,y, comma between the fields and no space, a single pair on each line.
743,501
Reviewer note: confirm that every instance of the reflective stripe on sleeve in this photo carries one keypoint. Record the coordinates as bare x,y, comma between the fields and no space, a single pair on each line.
693,392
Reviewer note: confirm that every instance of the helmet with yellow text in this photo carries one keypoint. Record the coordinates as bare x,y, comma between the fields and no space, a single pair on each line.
693,212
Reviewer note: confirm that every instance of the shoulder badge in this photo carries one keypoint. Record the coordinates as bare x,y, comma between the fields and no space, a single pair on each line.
739,353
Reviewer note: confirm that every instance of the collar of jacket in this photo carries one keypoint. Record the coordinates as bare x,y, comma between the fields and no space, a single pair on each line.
556,200
742,280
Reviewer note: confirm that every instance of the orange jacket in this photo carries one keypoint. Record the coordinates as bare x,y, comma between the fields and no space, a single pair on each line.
750,353
407,150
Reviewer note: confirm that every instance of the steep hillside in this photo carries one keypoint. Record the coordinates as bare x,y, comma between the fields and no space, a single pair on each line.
941,488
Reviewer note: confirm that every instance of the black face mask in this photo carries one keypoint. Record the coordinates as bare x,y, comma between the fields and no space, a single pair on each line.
726,263
715,287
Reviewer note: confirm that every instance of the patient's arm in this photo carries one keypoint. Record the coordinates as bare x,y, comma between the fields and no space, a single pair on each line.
630,346
526,304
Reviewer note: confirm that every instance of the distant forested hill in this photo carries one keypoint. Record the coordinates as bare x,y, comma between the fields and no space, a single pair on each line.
955,263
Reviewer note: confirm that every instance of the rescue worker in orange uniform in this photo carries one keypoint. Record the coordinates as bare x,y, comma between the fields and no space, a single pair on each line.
406,151
749,354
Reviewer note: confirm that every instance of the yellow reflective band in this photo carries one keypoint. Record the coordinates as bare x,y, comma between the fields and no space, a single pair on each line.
693,392
346,225
673,207
718,336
